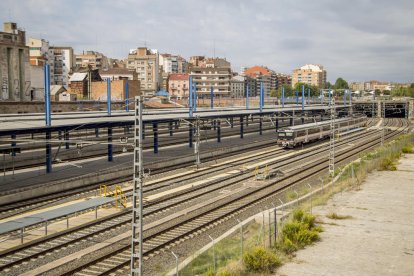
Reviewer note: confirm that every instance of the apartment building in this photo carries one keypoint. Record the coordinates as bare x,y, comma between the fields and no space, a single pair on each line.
211,72
311,74
63,65
146,63
172,64
178,85
14,64
92,58
357,86
238,87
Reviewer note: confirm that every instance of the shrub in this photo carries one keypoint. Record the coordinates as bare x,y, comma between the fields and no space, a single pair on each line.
408,149
386,164
234,268
261,260
299,232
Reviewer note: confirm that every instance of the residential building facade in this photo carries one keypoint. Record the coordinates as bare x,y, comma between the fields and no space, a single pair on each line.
266,77
146,63
92,58
212,73
238,85
178,85
172,63
310,74
14,64
118,74
63,65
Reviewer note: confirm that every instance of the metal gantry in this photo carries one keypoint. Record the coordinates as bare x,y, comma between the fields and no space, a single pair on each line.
332,139
137,212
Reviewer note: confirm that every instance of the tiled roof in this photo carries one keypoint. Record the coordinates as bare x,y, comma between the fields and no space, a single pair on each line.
179,77
257,70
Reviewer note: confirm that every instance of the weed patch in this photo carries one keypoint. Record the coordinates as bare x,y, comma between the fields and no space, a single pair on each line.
408,149
260,259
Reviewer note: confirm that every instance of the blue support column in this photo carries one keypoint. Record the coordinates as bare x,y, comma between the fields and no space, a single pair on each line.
241,127
283,96
110,153
48,152
170,127
329,98
195,97
108,96
308,96
321,96
190,97
211,98
190,135
97,132
66,134
48,118
127,96
261,96
218,131
260,125
345,97
247,96
155,133
303,98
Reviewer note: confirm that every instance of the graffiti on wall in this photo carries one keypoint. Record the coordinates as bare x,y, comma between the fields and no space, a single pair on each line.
5,88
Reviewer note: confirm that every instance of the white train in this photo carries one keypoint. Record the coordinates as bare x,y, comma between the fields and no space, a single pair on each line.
292,136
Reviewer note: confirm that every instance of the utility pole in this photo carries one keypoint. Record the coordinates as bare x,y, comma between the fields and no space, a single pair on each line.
137,212
332,140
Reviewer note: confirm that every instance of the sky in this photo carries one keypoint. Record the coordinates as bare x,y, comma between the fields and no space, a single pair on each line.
358,40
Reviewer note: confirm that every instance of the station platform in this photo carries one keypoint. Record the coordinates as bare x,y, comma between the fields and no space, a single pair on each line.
28,178
52,214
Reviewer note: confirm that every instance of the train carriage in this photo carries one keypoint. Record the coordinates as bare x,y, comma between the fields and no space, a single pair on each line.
301,134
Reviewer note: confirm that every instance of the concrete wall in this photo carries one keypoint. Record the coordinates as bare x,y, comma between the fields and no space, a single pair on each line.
39,107
14,73
99,90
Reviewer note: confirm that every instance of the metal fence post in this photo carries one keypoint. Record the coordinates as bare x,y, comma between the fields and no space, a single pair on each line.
310,187
176,263
214,255
241,238
270,229
275,222
263,229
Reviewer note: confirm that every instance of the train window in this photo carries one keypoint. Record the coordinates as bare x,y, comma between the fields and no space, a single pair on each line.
281,134
300,133
289,134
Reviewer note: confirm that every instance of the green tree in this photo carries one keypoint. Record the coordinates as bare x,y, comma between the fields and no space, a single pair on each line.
274,93
328,85
341,84
288,91
314,89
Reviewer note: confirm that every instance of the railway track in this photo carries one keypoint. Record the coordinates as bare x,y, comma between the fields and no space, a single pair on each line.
157,239
16,208
150,248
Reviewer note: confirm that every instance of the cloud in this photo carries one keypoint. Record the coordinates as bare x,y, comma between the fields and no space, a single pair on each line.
355,39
